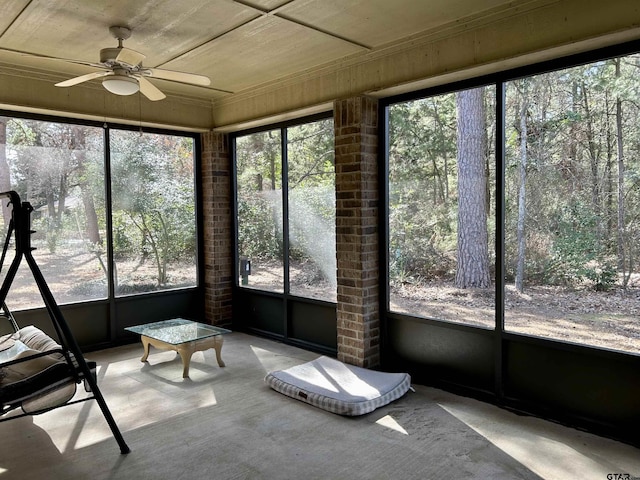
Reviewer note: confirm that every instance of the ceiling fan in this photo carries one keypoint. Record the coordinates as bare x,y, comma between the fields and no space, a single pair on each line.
124,74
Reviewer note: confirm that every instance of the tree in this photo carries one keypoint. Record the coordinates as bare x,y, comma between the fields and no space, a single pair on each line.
79,148
520,233
473,255
259,167
152,195
422,189
5,172
621,187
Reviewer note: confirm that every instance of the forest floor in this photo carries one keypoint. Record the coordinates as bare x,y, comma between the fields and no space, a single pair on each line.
73,275
579,315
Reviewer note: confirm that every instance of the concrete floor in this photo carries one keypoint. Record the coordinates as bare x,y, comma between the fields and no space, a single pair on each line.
225,423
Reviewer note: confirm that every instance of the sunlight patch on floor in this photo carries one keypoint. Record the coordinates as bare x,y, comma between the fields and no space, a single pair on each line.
538,440
125,386
271,361
389,422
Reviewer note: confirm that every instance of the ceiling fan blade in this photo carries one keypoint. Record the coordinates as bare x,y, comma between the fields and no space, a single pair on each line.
130,57
149,90
82,78
57,59
174,76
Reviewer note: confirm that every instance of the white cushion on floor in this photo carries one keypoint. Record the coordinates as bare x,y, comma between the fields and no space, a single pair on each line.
338,387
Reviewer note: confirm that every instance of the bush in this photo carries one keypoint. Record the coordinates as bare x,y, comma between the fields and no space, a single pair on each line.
258,232
577,253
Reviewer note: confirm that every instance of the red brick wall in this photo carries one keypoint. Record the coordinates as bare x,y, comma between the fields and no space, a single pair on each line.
356,146
217,225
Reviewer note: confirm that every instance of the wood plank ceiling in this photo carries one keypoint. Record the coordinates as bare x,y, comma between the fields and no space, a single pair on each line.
239,44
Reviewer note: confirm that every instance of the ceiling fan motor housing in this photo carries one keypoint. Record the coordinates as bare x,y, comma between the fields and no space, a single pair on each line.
109,55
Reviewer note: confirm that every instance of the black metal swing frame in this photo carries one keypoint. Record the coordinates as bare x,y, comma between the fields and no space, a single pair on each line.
20,225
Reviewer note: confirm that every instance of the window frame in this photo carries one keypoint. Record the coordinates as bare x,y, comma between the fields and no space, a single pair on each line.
282,127
111,297
499,80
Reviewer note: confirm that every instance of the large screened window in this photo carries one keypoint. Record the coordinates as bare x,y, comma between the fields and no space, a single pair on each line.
259,193
572,197
441,214
60,169
153,211
285,182
570,190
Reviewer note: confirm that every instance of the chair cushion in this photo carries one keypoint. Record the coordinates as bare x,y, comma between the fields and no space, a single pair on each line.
33,374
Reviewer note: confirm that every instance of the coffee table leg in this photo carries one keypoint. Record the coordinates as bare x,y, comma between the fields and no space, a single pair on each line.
145,345
218,347
185,352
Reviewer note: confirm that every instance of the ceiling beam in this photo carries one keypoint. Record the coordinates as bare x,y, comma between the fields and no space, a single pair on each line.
276,13
15,19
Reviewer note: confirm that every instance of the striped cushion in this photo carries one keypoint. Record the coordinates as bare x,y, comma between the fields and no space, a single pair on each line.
35,383
36,339
339,388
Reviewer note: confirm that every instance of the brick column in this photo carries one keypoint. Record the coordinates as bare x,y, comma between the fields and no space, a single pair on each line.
356,146
217,224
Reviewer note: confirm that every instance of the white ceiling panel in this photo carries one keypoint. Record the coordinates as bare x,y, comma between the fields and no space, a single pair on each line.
378,22
261,51
10,11
161,29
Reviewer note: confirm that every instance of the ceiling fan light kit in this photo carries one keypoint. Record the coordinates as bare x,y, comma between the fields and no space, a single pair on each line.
121,85
124,73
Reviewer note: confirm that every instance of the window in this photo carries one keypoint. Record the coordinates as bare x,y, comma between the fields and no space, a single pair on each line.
571,196
573,204
441,218
259,190
153,214
298,219
312,211
60,169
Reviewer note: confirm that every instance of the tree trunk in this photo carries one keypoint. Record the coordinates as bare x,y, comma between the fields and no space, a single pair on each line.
594,162
443,151
570,160
272,161
522,211
91,227
609,177
621,210
92,231
473,255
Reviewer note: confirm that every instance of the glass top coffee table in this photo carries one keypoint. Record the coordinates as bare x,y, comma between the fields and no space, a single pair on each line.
182,336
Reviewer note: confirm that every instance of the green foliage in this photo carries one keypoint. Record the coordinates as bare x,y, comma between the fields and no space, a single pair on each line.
258,234
422,242
422,189
571,214
311,201
153,203
125,240
60,169
577,253
603,276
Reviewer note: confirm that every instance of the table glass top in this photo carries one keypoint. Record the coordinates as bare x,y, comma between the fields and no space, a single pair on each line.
177,331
